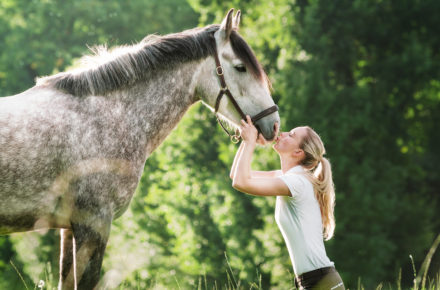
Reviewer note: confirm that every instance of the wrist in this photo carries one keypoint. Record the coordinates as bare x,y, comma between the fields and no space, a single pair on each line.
250,143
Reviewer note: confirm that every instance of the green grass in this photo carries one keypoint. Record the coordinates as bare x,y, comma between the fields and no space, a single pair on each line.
421,281
235,284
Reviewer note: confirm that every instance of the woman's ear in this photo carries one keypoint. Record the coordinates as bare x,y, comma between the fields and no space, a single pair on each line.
298,153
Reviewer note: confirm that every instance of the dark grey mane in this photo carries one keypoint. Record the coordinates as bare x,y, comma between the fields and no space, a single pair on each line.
151,54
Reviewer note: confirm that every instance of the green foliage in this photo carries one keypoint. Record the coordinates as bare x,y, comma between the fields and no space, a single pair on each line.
9,265
43,37
364,74
361,85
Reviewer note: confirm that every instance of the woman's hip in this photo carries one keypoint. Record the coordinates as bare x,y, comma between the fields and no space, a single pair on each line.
320,279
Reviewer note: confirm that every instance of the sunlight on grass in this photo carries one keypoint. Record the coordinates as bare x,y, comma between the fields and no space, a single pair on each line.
421,279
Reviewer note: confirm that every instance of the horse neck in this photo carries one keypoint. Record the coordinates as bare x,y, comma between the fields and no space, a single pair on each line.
157,104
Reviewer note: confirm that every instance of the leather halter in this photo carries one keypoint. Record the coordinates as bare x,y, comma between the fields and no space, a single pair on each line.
224,90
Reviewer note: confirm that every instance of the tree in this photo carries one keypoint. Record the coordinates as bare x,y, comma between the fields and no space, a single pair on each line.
364,85
44,37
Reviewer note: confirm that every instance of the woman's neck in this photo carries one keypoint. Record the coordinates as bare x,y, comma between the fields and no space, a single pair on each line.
288,163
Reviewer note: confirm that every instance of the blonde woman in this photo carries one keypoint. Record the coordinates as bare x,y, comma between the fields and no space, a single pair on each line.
305,199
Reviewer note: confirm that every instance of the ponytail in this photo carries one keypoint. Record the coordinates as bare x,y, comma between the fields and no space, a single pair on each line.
325,194
319,172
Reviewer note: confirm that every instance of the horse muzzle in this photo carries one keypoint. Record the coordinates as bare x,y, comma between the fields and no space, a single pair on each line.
266,125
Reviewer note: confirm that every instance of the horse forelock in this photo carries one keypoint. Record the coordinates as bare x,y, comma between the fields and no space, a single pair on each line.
244,53
107,70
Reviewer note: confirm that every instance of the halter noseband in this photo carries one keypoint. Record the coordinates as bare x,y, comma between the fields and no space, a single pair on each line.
224,90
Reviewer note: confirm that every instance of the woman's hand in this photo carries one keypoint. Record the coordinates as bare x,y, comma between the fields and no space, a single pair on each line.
248,131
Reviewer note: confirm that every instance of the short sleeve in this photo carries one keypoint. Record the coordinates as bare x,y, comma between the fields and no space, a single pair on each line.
295,183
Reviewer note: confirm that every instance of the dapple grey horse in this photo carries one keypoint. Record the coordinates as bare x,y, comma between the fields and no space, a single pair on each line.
73,147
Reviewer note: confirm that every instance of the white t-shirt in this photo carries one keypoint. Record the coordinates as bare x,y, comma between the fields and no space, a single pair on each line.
300,222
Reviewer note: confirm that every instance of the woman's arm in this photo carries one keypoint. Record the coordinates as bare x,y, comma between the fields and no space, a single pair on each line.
234,164
242,179
266,174
254,173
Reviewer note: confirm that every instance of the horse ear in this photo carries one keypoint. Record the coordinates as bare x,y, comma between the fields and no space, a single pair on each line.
237,20
226,26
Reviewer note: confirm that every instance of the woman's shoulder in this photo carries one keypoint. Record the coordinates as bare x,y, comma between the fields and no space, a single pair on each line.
296,182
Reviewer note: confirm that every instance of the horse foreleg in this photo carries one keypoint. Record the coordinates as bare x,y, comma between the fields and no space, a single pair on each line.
82,269
67,260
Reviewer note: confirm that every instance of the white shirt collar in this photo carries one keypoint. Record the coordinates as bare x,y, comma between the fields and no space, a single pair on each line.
295,169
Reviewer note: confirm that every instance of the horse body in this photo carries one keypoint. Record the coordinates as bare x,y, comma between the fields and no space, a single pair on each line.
74,146
64,134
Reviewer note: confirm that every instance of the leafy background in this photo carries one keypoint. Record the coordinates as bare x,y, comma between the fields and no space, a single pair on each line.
364,74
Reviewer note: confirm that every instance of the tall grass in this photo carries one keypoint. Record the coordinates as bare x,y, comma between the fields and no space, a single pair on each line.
421,276
421,280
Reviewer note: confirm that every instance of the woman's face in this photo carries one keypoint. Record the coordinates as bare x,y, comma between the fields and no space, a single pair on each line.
289,142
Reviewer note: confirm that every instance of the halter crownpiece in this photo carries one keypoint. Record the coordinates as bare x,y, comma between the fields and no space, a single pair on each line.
235,138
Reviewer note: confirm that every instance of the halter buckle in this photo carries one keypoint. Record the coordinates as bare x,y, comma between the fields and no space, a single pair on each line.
219,70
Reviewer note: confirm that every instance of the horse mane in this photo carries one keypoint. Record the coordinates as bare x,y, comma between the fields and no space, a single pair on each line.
107,70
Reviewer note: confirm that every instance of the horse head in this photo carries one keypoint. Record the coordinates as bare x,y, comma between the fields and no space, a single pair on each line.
237,74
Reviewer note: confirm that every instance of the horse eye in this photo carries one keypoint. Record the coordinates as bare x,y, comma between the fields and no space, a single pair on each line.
240,68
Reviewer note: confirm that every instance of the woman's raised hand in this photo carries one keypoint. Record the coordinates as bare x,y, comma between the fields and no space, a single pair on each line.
248,131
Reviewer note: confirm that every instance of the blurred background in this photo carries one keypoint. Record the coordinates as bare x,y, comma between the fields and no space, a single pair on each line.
364,74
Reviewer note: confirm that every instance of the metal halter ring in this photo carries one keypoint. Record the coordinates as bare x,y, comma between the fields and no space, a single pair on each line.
219,70
235,138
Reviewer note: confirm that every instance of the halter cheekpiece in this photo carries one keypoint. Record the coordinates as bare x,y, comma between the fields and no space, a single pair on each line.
224,90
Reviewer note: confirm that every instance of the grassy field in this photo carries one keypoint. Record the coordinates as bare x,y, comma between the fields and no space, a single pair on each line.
420,279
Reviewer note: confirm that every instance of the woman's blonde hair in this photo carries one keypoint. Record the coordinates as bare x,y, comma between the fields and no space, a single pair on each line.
319,172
